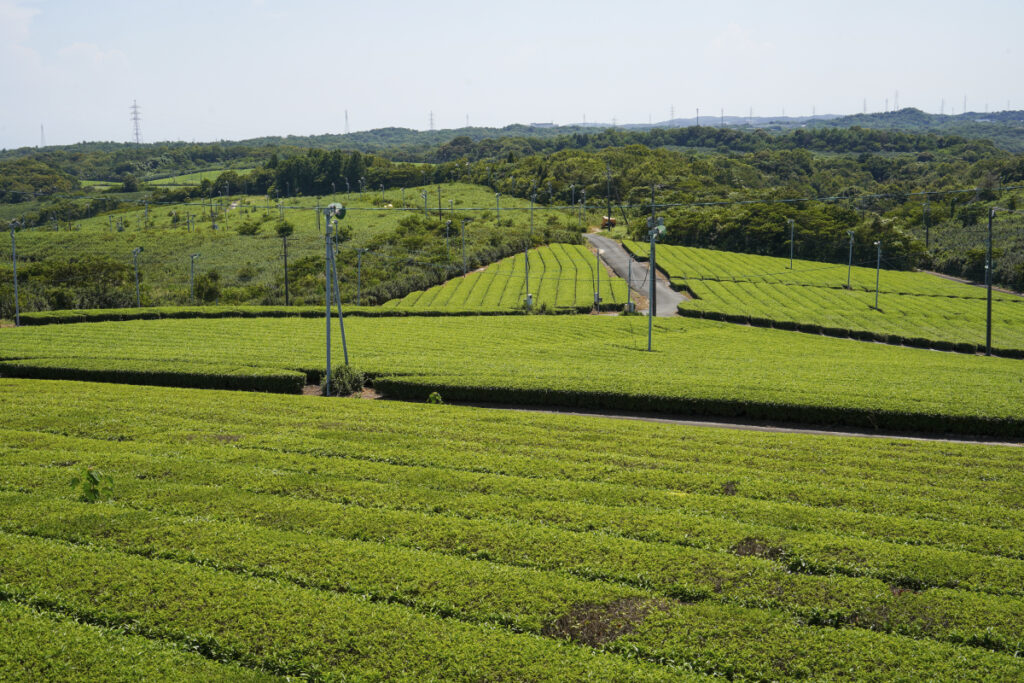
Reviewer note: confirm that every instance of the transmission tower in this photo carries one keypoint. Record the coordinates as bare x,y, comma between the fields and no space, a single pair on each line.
136,119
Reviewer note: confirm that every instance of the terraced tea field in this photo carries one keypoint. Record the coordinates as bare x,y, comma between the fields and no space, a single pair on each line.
699,367
258,536
561,277
917,309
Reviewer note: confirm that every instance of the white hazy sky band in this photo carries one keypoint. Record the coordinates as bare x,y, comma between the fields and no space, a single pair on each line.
236,69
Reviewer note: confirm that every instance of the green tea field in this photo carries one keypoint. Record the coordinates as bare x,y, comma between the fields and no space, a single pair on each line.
698,367
247,535
561,277
917,309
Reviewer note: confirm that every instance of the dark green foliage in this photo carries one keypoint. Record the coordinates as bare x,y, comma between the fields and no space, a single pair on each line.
207,287
345,380
435,398
22,178
283,228
93,485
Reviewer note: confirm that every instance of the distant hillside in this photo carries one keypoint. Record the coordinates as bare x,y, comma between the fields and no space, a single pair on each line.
1005,128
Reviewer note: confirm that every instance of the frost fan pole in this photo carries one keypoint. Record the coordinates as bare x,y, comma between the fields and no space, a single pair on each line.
14,261
327,298
988,286
656,228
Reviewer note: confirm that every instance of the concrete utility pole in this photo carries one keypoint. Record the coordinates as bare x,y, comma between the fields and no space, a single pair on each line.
135,260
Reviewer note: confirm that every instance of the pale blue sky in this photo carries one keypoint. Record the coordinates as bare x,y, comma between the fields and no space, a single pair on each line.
243,68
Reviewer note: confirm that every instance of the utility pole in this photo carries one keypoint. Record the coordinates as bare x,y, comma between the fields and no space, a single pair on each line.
327,297
791,231
497,203
191,278
849,266
927,227
533,198
526,257
447,243
878,271
14,263
988,285
608,190
584,214
423,193
440,213
463,231
135,259
284,238
597,281
656,227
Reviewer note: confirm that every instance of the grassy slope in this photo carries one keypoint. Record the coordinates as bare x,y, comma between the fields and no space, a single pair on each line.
242,261
698,366
304,536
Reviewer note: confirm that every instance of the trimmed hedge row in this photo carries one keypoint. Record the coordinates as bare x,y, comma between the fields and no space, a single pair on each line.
186,375
860,335
407,389
170,312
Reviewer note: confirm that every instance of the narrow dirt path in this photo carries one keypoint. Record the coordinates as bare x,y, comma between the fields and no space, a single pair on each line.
972,283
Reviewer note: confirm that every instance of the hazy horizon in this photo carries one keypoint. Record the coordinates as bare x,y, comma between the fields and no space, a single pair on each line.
249,68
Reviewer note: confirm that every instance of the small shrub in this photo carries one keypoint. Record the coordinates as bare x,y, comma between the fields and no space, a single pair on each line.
435,398
94,485
345,380
249,227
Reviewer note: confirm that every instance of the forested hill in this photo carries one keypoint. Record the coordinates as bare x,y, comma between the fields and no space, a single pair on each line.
1005,128
112,161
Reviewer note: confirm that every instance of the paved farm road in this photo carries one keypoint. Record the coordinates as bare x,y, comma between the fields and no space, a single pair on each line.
618,260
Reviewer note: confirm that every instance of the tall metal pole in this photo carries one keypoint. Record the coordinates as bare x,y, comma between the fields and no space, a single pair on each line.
526,256
790,220
988,286
584,214
337,299
878,271
359,275
927,227
533,198
597,281
651,304
14,261
439,209
424,195
447,242
463,230
192,278
608,191
285,238
849,266
327,297
497,203
135,259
